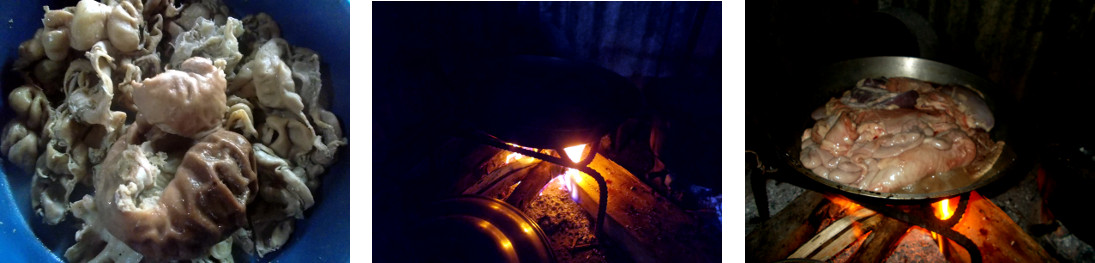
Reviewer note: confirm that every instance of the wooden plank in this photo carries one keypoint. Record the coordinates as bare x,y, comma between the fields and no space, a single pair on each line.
882,241
464,160
642,222
618,233
776,238
502,177
837,236
530,186
997,237
847,238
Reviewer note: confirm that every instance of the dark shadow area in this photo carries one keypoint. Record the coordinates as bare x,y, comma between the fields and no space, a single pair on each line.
669,51
1036,53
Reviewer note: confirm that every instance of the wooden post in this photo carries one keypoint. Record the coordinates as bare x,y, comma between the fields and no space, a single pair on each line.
837,236
996,235
776,238
882,241
500,178
464,160
644,224
530,186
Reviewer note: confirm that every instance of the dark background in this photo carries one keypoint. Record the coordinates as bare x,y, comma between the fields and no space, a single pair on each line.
671,52
1038,52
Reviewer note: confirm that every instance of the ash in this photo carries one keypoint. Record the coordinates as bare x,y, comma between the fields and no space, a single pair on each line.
917,246
566,224
1023,202
780,194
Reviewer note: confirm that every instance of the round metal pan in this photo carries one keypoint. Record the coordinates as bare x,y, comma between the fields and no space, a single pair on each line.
834,80
480,229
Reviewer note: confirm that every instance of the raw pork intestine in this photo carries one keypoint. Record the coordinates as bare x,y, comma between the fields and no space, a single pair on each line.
145,121
885,135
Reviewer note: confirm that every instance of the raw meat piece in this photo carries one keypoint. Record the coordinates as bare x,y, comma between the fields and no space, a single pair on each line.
887,134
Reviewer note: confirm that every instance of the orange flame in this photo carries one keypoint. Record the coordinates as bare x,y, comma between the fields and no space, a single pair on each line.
575,152
845,203
513,156
944,209
573,176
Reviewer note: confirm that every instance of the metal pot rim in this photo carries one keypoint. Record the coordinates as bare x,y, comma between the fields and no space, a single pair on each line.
844,74
502,222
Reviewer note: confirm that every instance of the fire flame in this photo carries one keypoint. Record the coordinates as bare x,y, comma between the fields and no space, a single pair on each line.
572,176
850,207
512,157
575,152
944,209
845,203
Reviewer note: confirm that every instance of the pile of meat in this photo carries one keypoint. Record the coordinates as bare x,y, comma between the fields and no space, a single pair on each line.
887,135
195,132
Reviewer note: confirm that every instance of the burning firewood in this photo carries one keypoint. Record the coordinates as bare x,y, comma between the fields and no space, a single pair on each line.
533,183
503,177
838,235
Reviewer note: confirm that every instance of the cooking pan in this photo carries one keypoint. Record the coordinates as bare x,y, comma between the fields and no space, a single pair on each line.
834,80
480,229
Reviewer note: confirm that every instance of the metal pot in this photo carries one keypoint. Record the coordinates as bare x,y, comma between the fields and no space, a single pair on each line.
834,80
480,229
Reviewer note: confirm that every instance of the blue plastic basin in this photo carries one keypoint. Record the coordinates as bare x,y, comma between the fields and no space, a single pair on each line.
323,235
